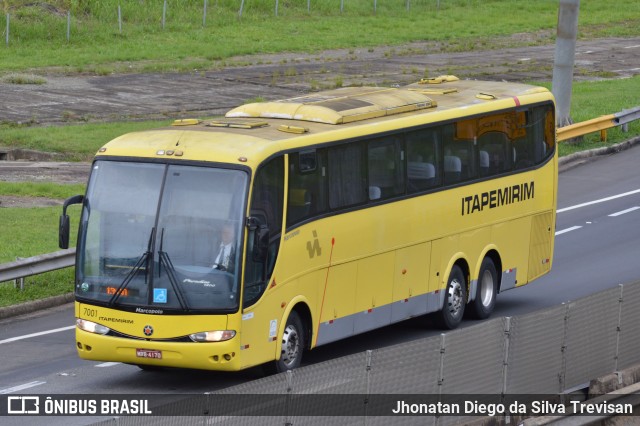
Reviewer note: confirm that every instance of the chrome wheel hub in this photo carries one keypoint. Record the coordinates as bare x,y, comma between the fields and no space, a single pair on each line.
455,302
486,288
290,345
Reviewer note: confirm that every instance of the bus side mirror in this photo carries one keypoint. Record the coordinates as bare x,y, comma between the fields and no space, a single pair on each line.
63,227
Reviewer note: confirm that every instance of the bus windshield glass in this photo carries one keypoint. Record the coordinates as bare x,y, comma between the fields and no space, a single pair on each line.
158,237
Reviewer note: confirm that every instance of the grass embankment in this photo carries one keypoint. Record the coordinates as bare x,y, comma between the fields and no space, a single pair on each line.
30,232
34,231
38,30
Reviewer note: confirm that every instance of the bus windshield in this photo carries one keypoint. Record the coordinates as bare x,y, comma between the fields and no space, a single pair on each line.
161,237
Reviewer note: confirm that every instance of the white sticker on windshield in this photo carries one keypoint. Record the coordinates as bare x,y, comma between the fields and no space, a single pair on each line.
273,328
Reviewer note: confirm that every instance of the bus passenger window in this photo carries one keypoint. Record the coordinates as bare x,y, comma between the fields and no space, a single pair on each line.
494,156
459,160
307,185
346,176
422,164
452,169
385,168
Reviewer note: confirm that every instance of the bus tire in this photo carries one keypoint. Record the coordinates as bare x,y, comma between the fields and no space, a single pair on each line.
291,345
486,290
455,299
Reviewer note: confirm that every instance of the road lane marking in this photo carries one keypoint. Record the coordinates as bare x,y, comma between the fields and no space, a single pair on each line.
21,387
564,231
107,364
601,200
632,47
624,211
40,333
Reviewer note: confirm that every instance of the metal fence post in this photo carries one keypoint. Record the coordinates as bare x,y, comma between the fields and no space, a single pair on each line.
289,376
368,384
441,373
7,33
241,7
563,365
619,328
505,363
276,7
19,282
164,13
68,26
119,19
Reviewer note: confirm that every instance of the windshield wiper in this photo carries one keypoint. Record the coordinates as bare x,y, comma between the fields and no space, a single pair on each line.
142,260
166,261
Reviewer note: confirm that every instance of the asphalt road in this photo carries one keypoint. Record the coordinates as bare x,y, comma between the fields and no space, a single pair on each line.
597,248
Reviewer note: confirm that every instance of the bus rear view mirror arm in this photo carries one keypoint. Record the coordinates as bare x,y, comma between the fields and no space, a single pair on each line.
63,229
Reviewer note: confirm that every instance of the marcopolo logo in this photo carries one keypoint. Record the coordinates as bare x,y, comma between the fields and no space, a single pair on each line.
23,405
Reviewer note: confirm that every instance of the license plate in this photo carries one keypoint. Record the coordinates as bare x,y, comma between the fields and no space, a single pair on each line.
146,353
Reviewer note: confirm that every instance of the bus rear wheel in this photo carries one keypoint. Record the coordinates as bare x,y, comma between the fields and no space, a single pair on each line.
455,299
486,291
291,345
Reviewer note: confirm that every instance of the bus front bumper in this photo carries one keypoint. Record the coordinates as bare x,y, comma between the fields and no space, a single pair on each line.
224,356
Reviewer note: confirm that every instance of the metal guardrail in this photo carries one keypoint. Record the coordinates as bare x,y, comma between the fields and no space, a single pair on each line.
600,124
37,264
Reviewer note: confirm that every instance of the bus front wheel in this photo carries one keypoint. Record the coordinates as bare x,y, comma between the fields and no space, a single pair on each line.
291,345
487,288
455,299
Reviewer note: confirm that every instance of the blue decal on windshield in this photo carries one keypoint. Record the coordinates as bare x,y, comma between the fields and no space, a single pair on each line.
159,295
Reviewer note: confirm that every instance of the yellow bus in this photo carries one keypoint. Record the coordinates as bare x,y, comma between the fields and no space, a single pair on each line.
228,243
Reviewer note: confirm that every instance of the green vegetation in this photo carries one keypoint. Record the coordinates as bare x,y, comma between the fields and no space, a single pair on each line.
73,143
23,79
38,29
40,189
33,231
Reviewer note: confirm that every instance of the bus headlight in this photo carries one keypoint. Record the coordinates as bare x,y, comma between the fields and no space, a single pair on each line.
91,327
213,336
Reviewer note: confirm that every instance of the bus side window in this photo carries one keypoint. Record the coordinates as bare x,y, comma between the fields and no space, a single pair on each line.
538,143
385,167
307,185
459,157
494,156
346,176
423,171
